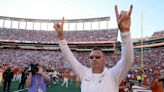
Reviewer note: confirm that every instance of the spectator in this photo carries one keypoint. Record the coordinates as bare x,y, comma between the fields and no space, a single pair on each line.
7,77
155,84
65,78
37,80
23,78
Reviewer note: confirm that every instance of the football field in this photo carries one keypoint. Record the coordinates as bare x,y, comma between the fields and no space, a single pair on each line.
52,88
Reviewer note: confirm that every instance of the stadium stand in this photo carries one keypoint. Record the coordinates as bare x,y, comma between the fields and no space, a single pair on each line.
21,46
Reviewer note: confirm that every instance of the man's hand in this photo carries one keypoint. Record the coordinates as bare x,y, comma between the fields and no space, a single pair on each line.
123,19
59,30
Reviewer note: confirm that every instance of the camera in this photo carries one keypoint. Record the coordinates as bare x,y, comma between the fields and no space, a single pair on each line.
33,68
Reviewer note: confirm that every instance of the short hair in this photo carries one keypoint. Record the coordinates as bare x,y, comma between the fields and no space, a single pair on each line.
97,48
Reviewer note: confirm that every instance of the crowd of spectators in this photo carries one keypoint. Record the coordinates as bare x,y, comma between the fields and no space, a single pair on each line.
158,34
56,60
49,36
152,58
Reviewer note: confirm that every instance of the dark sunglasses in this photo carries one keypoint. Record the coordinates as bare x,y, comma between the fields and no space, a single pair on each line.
97,57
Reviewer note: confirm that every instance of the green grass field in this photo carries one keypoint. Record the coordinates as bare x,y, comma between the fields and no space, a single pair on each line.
53,87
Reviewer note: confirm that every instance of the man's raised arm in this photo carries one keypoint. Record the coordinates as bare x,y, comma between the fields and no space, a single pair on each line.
127,55
77,67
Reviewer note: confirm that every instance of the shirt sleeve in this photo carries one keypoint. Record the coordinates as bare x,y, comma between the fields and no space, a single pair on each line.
75,64
120,70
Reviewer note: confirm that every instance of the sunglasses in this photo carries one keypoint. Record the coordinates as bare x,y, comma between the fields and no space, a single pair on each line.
97,57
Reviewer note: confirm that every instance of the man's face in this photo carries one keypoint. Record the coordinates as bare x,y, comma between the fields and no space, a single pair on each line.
97,60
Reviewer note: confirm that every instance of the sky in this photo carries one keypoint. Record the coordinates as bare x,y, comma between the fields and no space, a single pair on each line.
151,10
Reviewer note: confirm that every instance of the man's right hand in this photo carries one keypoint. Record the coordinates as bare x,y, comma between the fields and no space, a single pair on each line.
123,19
59,30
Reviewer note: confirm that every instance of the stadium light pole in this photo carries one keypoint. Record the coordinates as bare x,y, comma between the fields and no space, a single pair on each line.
18,24
11,24
91,26
3,23
107,24
142,48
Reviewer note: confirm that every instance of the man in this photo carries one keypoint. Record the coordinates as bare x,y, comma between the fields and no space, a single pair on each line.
65,78
155,84
23,78
7,77
98,78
